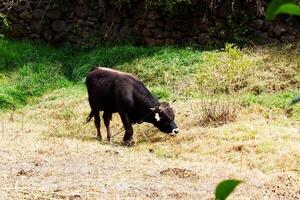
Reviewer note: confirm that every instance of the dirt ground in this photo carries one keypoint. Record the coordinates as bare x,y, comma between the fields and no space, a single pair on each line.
47,152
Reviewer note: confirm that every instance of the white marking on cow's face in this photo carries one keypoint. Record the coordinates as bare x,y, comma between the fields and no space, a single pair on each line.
157,117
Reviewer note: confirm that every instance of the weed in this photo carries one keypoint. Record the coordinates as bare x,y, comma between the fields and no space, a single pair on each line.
218,112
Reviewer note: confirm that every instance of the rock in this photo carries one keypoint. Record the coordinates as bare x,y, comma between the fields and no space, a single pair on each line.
18,30
170,41
58,25
203,28
150,24
261,36
153,15
36,26
266,26
257,24
34,36
48,35
150,41
141,22
176,35
146,32
73,38
38,13
82,11
54,14
89,23
26,16
225,10
204,38
287,38
278,30
169,26
187,41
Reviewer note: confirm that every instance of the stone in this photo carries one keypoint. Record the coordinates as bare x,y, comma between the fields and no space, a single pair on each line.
34,36
150,41
157,33
38,13
287,38
18,30
141,22
204,38
187,41
73,38
169,26
169,41
89,23
261,37
92,19
150,24
278,30
225,10
203,27
26,16
58,26
54,14
266,26
82,11
36,26
153,15
146,32
257,24
176,35
48,35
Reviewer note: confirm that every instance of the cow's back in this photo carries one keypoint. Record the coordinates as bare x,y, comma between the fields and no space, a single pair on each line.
104,85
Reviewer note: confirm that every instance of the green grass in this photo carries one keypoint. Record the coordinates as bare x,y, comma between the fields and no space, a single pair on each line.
269,76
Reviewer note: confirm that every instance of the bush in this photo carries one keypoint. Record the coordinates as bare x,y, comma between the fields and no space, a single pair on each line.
225,71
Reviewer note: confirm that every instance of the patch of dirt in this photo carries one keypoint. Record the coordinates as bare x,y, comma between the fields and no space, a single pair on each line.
180,173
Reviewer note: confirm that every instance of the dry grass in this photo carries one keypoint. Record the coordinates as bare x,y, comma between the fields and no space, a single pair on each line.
53,155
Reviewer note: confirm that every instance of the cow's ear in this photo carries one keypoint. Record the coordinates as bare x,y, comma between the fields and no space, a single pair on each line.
157,117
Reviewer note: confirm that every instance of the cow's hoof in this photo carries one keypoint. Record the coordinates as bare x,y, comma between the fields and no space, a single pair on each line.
128,143
99,139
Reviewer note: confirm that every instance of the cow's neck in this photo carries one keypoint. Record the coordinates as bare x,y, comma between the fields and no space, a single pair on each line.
143,112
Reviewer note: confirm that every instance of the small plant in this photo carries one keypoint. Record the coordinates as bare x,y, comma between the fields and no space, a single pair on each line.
218,112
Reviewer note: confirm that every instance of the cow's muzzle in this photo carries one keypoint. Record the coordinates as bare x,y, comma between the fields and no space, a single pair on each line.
174,132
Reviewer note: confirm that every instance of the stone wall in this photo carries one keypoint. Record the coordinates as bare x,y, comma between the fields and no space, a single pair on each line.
92,22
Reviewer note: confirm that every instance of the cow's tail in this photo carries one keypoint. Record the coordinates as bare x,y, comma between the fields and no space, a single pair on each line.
88,119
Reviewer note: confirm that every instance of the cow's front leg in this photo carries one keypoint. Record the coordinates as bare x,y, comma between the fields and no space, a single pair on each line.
128,139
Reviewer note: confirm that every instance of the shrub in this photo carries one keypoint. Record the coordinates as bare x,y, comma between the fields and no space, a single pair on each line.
218,112
225,71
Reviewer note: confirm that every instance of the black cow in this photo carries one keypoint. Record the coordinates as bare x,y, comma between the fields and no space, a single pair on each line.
114,91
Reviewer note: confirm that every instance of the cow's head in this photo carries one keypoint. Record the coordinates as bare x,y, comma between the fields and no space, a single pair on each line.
163,118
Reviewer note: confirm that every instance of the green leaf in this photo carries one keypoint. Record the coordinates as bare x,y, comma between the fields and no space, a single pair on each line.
295,100
281,6
225,188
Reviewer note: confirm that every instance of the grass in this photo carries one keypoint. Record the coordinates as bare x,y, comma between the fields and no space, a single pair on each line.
40,142
28,70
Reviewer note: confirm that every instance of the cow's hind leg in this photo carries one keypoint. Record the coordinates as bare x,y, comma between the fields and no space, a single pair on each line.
97,123
107,117
128,140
